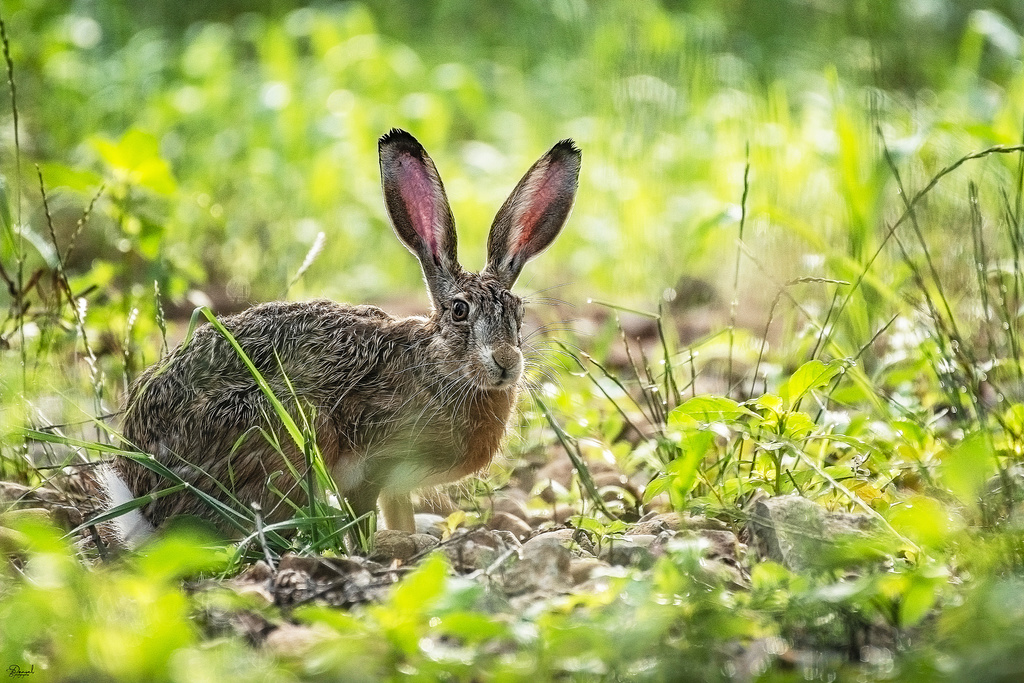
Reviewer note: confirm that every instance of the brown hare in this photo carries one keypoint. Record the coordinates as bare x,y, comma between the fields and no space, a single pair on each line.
399,403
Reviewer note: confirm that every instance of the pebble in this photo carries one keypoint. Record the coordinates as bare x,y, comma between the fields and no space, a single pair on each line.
505,521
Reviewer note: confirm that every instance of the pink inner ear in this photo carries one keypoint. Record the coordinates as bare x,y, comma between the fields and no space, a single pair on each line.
418,195
540,195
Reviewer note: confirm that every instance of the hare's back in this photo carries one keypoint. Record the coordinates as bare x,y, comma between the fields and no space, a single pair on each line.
294,336
312,349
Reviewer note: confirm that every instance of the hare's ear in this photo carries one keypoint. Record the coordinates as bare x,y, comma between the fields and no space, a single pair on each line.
534,213
418,208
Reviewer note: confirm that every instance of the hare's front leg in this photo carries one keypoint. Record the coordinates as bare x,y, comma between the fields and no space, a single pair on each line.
397,509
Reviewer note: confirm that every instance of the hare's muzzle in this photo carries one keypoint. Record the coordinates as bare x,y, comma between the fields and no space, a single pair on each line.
504,365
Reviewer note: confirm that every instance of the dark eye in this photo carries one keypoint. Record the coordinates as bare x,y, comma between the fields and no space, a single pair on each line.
460,310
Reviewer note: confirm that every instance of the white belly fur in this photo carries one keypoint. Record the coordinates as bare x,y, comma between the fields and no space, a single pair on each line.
132,527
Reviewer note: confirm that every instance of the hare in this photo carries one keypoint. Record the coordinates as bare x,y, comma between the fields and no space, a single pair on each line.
399,403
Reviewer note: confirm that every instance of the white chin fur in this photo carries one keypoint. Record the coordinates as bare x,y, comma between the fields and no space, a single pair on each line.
132,527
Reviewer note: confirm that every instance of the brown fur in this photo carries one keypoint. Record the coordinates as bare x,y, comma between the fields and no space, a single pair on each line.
398,403
202,399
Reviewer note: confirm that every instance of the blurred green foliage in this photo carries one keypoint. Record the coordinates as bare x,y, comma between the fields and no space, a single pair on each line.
268,121
879,367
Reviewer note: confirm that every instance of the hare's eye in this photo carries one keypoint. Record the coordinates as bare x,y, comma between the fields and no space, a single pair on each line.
460,310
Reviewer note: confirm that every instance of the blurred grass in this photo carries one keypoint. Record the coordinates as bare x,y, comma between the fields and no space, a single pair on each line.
222,139
267,123
222,142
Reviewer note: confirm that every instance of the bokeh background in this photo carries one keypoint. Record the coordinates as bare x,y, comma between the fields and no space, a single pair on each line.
228,135
746,169
729,148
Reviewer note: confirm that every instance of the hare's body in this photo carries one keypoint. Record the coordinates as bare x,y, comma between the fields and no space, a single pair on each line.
380,430
396,403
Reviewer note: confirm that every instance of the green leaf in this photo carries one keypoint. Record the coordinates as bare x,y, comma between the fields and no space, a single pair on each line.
77,179
811,375
769,576
180,554
967,467
798,424
421,588
770,402
924,520
136,160
655,486
918,599
1013,417
470,627
704,409
5,206
683,470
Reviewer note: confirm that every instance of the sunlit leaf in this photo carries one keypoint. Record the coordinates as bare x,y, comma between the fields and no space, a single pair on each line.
72,177
811,375
181,553
924,520
708,409
918,599
770,402
682,472
421,587
968,466
798,424
470,627
1013,417
656,486
136,159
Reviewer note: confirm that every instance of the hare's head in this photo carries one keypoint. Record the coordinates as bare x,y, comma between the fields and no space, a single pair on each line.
476,318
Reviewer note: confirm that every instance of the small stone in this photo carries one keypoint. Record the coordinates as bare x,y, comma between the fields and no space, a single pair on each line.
698,522
643,540
559,515
616,486
26,516
583,568
544,567
475,549
629,551
296,641
539,519
562,513
423,542
427,523
572,538
846,523
260,571
788,529
508,538
559,470
549,493
795,531
391,544
654,523
338,581
255,581
504,521
12,540
323,568
722,545
511,505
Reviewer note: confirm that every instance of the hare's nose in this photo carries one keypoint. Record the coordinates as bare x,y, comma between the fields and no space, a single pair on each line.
508,360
